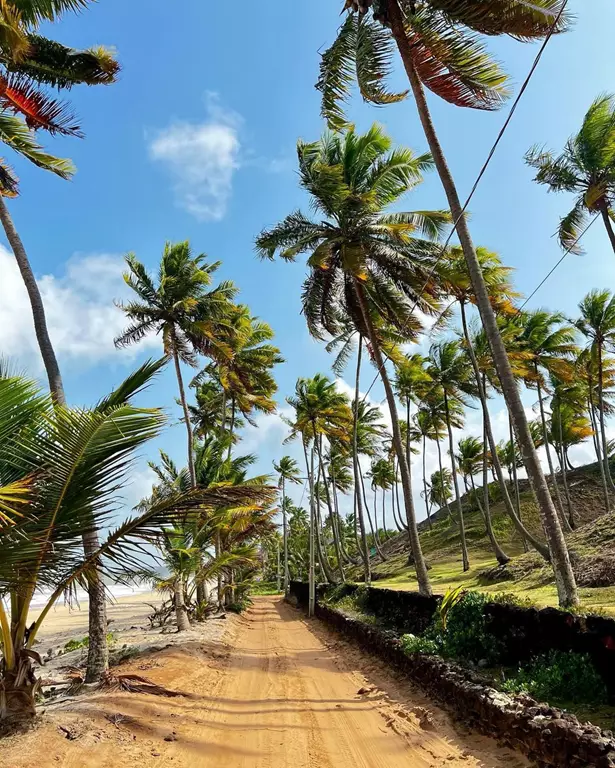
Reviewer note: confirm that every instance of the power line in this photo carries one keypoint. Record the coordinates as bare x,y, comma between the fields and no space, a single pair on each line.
483,170
552,270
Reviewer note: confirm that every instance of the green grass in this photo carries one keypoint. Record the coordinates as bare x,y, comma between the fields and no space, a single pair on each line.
533,578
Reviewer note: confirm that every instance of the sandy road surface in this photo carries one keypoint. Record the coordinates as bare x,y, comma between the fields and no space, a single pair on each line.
283,694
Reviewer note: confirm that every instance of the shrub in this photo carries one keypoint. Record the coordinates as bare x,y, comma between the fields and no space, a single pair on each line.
239,605
415,644
511,598
466,636
560,676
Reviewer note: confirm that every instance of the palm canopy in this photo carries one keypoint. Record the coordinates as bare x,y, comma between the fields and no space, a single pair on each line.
597,321
453,272
447,52
288,470
371,432
30,62
469,455
412,380
352,179
549,340
320,410
449,368
382,474
585,168
440,487
180,305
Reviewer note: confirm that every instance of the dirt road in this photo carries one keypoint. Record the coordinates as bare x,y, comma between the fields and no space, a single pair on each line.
284,694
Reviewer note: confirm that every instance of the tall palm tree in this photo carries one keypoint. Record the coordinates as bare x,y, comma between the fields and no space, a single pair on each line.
440,487
362,258
382,475
182,307
450,372
586,168
287,471
472,457
550,341
439,46
29,64
597,324
320,411
427,427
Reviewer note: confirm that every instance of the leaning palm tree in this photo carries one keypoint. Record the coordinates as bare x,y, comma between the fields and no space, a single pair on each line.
184,309
585,168
440,48
382,474
29,64
287,471
367,268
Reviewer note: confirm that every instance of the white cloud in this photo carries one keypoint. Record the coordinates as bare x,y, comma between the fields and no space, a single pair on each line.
202,159
81,316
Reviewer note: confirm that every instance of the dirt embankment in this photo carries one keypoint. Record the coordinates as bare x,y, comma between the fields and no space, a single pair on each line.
277,691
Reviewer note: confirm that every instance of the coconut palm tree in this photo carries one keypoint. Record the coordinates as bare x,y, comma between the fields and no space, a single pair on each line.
182,307
586,168
382,475
81,458
597,324
427,428
29,65
551,342
440,487
449,370
440,48
362,258
288,471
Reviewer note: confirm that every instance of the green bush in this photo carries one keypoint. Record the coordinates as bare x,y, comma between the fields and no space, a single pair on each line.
466,636
239,605
511,598
560,676
415,644
265,588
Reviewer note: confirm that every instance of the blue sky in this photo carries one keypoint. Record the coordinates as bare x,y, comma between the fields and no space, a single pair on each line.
196,141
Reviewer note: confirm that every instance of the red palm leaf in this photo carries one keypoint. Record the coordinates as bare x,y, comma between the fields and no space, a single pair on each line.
21,96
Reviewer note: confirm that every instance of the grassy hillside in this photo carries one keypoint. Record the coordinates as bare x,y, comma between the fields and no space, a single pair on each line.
592,548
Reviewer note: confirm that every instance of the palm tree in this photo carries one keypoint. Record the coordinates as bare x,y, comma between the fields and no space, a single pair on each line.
440,49
382,475
597,324
362,259
440,487
183,309
472,457
28,64
81,458
450,372
586,167
246,377
428,429
288,471
550,341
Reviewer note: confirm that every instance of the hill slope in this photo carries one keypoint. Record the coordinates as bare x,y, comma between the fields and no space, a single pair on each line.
592,549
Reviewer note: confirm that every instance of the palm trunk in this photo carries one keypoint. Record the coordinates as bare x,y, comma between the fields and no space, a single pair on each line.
336,540
278,571
394,498
607,468
311,568
321,550
564,576
420,566
98,648
50,362
500,555
543,419
562,461
442,491
604,212
181,614
182,397
427,509
356,470
401,519
231,428
515,474
481,384
596,438
384,520
373,529
462,529
285,534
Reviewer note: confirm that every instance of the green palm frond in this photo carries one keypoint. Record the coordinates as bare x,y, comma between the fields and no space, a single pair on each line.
571,227
373,57
16,134
337,74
